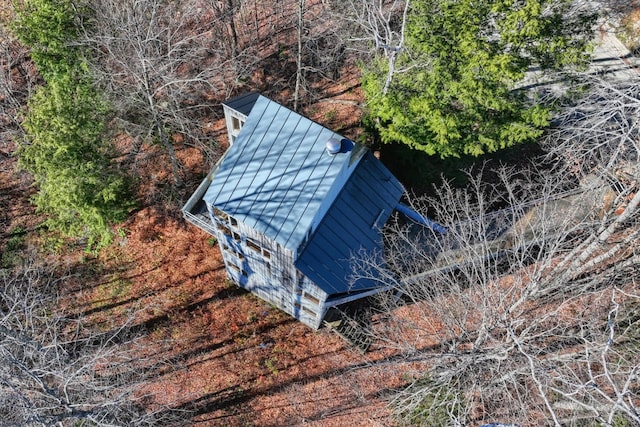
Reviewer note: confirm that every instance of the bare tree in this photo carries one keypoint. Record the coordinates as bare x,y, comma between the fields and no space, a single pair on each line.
376,27
238,30
598,137
319,50
56,369
299,68
228,11
16,80
161,64
526,308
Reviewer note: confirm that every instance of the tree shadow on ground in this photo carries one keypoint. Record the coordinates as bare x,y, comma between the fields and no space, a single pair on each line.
421,173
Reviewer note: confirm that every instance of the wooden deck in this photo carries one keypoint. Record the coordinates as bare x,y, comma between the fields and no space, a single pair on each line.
195,210
199,216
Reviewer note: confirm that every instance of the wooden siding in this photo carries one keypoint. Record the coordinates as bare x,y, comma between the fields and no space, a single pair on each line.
235,113
266,269
234,121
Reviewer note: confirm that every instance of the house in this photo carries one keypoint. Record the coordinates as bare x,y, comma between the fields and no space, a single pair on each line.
290,203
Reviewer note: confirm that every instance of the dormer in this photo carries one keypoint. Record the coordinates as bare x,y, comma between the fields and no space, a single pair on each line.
236,112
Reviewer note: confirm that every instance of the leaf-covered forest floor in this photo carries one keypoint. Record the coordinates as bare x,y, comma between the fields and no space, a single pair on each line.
213,350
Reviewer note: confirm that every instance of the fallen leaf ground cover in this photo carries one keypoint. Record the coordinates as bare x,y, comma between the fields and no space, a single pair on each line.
216,353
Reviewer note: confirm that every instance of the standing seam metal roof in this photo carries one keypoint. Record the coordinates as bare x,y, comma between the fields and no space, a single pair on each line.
352,224
277,174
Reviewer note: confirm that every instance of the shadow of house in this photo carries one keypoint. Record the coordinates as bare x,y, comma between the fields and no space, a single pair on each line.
290,203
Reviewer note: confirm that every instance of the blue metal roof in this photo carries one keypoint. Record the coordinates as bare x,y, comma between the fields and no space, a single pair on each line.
243,103
277,174
352,224
278,178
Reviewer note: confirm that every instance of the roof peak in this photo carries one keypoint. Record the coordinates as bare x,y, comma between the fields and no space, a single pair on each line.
277,177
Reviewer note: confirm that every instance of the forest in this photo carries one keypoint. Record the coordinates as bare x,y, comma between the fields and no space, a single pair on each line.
511,116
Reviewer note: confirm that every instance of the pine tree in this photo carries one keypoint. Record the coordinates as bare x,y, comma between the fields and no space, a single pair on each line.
65,145
70,160
453,93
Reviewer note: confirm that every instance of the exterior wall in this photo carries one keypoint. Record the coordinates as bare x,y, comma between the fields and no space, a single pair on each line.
234,120
309,301
266,269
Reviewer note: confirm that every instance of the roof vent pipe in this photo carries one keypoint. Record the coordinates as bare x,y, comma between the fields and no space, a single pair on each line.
333,146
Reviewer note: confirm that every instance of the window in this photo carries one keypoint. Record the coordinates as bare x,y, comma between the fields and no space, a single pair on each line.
305,309
236,254
236,268
220,215
311,298
309,311
224,229
224,221
255,246
236,124
224,218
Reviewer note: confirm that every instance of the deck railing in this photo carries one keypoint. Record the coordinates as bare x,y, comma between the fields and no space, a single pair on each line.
195,211
199,221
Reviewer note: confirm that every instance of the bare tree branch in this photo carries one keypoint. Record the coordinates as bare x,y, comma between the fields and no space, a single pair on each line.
56,369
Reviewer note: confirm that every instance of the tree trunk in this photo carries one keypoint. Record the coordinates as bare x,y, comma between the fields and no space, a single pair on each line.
299,65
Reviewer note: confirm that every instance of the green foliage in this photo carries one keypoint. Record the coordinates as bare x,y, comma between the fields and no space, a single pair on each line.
14,248
70,160
48,27
621,421
65,123
455,94
16,239
272,365
431,405
423,172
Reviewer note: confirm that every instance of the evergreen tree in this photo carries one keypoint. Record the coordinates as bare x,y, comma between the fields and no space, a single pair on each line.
65,122
48,27
453,91
70,160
